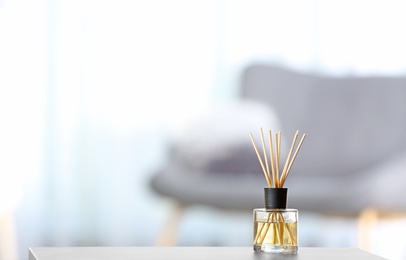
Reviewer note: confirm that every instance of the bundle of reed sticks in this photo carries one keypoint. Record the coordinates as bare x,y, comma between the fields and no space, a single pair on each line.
274,173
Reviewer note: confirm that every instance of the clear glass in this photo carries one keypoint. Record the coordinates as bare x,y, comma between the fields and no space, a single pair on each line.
275,230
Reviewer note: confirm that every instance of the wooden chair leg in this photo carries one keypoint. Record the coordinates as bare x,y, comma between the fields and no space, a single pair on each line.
170,231
367,219
8,244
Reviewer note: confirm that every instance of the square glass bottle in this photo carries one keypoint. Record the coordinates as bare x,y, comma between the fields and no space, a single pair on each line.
275,226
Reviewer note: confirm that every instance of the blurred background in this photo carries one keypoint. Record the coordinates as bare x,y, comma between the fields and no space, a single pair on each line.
93,92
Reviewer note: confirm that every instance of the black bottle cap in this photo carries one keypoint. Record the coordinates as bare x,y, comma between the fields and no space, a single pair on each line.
276,198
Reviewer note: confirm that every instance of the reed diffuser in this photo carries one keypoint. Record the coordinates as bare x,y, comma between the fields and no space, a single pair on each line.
275,226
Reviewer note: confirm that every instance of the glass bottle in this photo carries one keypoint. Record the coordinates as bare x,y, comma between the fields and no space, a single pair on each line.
275,226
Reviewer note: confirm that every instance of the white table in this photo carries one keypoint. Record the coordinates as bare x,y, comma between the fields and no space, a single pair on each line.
188,253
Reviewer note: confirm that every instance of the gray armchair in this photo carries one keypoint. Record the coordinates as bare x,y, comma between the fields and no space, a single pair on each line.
354,156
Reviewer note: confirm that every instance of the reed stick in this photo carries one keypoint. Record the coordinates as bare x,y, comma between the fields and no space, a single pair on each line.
260,161
272,156
293,159
265,155
283,175
277,139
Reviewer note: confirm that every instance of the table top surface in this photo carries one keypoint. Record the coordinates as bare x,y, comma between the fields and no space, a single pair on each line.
183,253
